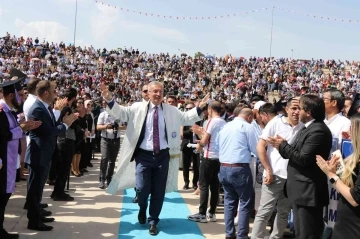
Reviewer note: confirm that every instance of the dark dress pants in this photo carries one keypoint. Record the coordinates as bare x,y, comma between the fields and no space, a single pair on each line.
54,165
109,151
189,156
208,178
151,176
308,222
66,152
36,181
4,198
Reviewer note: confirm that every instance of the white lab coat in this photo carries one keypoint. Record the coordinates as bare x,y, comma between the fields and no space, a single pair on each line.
135,116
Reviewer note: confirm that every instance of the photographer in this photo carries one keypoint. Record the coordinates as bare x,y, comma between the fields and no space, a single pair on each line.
109,146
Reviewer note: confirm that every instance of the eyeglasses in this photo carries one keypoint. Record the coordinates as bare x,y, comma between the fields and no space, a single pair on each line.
188,108
145,91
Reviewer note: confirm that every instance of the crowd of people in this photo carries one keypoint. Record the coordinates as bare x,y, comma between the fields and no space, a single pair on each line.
52,93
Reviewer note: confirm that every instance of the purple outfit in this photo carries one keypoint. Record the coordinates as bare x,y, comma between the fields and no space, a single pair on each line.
10,135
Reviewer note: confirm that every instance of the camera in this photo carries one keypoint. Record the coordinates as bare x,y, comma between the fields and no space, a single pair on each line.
115,127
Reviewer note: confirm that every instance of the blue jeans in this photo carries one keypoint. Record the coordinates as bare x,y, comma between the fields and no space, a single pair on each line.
237,183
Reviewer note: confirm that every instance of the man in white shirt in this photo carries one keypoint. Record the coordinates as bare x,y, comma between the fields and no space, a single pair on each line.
275,173
334,101
109,146
209,165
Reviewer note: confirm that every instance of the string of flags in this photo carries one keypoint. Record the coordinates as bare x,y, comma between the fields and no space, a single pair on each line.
319,17
225,15
183,17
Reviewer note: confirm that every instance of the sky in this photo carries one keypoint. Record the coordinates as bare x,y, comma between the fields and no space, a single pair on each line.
244,35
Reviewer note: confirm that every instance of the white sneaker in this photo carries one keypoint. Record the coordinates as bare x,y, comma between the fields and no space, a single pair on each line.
197,217
211,217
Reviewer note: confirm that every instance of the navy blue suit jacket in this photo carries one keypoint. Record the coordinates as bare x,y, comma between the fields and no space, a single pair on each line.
43,139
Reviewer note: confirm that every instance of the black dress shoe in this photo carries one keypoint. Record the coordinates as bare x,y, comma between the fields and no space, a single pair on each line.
90,165
186,187
135,200
142,216
153,230
63,197
47,219
42,205
45,213
5,235
40,227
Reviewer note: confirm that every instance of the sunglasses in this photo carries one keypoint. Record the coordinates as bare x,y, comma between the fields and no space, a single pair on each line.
145,91
188,108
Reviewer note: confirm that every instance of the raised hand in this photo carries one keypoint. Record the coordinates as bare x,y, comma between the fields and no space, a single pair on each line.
60,104
204,101
69,119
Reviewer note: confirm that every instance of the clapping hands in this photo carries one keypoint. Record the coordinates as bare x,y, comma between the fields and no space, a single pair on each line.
30,125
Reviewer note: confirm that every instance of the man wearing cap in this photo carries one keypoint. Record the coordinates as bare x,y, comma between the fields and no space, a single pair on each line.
10,133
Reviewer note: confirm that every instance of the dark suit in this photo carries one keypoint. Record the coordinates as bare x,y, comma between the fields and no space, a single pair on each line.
188,155
306,185
39,156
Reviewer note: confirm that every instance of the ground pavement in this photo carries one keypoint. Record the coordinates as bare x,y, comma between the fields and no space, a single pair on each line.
95,214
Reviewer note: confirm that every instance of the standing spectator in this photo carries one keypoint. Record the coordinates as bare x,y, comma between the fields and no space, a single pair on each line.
188,154
40,151
306,186
209,165
10,133
109,146
348,185
275,173
237,140
66,149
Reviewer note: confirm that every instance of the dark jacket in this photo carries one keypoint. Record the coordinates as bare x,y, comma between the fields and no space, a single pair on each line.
306,184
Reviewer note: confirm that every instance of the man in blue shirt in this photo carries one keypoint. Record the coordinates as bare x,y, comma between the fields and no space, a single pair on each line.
237,140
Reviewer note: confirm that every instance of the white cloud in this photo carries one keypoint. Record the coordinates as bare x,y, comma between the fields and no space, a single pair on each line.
108,20
103,23
51,31
156,31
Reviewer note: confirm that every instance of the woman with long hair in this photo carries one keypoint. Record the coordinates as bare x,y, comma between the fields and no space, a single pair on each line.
347,183
81,134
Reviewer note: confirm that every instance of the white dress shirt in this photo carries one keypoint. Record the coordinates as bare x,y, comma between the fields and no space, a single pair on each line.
27,104
147,143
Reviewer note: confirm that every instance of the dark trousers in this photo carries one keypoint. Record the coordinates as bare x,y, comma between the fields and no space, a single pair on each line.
208,177
151,176
189,156
36,182
66,152
308,222
4,198
54,165
86,154
109,151
237,183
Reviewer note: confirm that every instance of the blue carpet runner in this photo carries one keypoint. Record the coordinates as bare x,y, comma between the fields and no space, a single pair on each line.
173,219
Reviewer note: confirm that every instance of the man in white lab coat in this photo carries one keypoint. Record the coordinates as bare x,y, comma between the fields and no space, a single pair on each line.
152,139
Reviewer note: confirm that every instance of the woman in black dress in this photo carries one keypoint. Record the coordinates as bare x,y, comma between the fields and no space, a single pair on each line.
347,224
81,134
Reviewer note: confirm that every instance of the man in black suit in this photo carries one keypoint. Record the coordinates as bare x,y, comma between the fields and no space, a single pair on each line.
306,186
40,151
188,154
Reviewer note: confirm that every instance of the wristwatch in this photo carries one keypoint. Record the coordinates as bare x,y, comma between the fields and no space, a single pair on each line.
334,179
